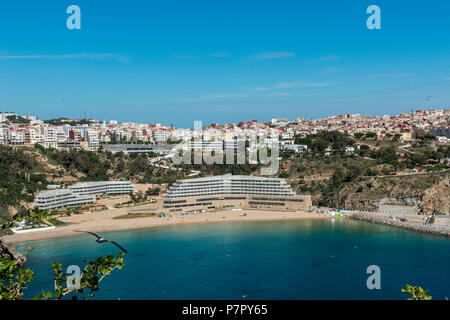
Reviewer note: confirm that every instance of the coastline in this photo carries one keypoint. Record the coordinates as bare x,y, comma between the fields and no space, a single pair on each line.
413,223
113,220
107,221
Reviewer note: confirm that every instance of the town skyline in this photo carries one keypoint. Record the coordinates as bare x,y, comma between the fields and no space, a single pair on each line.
90,134
84,116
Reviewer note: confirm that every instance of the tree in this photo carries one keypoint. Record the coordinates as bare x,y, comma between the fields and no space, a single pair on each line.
153,191
284,175
364,150
13,279
133,197
386,155
93,273
417,293
371,135
17,119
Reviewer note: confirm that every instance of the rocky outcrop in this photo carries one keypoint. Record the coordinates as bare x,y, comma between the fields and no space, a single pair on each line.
361,204
7,251
373,184
437,199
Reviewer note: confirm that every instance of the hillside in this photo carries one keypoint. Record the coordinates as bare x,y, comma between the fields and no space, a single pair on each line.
335,177
374,170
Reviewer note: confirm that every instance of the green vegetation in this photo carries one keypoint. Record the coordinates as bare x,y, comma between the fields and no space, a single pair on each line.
93,273
14,279
91,164
417,293
371,135
31,218
320,142
61,121
21,176
153,191
17,119
26,171
359,179
334,164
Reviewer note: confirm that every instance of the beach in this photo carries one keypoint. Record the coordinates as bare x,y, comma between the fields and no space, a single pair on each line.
107,220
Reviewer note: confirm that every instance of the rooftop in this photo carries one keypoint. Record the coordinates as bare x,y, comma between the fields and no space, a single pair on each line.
96,183
230,176
55,193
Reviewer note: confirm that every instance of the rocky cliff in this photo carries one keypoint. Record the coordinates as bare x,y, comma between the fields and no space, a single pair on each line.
437,198
7,251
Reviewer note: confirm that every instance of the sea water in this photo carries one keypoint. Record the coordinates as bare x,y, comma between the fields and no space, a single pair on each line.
303,259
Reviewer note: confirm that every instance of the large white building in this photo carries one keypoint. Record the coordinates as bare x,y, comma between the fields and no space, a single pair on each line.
102,187
62,198
232,191
220,145
80,194
229,184
204,145
92,139
160,136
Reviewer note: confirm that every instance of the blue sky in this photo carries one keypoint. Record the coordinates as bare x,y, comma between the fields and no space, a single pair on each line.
222,61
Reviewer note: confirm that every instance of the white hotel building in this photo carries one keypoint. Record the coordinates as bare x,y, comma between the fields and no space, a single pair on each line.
62,198
80,194
247,192
102,187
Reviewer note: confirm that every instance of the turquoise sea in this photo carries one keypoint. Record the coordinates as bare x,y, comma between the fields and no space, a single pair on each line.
305,259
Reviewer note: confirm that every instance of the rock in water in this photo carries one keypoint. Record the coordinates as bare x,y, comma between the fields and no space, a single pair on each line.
7,251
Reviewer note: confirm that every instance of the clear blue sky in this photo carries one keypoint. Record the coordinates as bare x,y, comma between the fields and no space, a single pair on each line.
222,61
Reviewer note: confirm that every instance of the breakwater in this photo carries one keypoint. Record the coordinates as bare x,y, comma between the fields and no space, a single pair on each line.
440,227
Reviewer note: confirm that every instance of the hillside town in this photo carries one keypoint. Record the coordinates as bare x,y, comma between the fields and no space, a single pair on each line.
91,134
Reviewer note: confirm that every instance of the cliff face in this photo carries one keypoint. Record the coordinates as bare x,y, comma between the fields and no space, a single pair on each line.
7,251
430,193
362,204
437,198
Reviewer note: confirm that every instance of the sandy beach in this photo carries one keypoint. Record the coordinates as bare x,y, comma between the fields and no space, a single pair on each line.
107,221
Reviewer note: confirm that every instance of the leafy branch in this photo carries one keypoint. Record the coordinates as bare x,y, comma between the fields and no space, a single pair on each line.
93,273
13,279
417,293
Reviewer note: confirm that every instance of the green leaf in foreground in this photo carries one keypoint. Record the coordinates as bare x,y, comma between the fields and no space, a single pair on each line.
416,293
